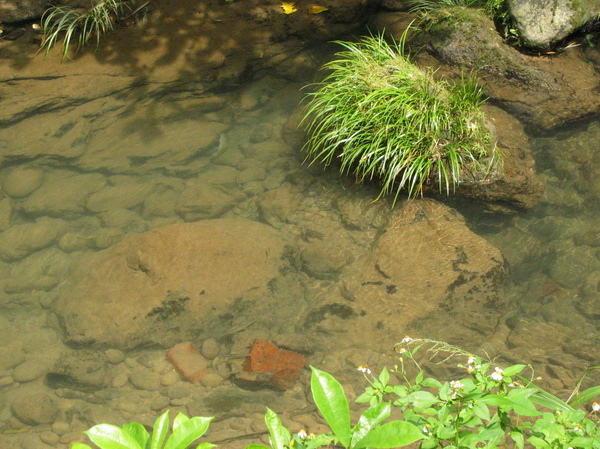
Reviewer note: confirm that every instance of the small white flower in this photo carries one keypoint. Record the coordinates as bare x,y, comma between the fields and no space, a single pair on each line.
456,384
406,339
595,407
426,428
471,360
302,434
498,374
364,369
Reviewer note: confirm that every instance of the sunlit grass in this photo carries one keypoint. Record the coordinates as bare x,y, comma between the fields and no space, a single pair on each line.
386,119
73,27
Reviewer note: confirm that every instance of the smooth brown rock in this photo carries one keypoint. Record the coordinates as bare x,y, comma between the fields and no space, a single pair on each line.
35,408
168,283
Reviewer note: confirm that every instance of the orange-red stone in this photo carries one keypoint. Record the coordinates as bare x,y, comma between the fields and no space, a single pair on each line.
188,361
282,366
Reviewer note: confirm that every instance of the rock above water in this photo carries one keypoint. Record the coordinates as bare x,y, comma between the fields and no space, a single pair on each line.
542,23
171,283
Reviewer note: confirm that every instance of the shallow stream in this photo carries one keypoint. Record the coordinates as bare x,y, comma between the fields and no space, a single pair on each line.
237,155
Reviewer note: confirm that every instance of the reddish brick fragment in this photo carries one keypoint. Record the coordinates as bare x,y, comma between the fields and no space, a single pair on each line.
272,366
188,362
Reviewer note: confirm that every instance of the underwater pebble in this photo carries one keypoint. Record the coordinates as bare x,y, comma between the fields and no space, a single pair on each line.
22,240
145,380
211,380
5,381
128,407
210,348
5,214
37,408
159,403
21,182
72,437
29,370
178,391
33,441
170,378
120,380
114,356
71,241
49,438
60,427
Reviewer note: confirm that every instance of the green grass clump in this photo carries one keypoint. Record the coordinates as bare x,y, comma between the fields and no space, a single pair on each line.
386,119
74,25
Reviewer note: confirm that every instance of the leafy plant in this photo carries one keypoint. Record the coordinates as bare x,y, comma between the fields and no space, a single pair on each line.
73,25
384,118
330,399
135,436
486,408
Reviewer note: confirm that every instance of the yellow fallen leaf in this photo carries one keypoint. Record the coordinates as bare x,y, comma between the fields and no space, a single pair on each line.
317,9
288,8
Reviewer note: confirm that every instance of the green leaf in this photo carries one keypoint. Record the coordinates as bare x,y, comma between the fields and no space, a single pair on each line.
538,443
257,446
206,445
137,431
515,369
392,434
585,396
496,400
107,436
422,399
370,418
518,438
280,436
179,419
482,411
332,403
187,432
159,432
384,377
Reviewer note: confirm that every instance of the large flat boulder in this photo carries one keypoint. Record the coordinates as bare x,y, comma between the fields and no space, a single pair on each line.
172,283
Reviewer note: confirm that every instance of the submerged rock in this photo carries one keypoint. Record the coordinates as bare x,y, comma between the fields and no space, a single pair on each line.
173,283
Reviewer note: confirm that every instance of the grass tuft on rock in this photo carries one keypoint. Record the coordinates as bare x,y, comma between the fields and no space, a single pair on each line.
384,118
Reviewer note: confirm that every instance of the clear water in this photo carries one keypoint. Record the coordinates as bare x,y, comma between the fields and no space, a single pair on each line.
137,166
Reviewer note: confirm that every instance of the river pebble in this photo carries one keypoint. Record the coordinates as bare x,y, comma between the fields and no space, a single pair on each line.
37,408
22,181
211,379
120,380
210,348
114,356
33,441
19,241
29,370
145,380
60,427
160,403
49,438
170,378
178,391
5,213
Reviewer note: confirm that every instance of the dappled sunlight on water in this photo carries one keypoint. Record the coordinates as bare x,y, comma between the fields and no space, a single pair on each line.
237,155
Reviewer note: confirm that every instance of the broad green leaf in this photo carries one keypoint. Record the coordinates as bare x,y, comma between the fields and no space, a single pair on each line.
331,401
392,434
482,411
138,432
518,438
257,446
496,400
206,446
431,382
538,443
107,436
280,436
187,432
521,402
585,396
370,418
384,377
159,431
422,399
179,419
515,369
